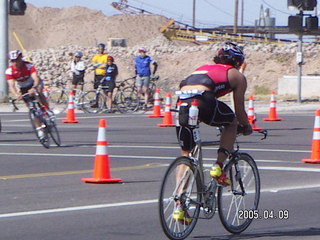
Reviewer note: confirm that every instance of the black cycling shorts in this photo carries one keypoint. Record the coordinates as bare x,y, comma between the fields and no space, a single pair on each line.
97,79
211,111
78,79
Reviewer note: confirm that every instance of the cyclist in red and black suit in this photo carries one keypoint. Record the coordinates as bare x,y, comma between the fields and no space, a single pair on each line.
212,82
25,75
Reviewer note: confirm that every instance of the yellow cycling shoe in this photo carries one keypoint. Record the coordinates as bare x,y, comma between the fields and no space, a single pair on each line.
181,216
215,171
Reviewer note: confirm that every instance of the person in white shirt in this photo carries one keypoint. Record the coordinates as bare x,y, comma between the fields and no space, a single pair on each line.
78,69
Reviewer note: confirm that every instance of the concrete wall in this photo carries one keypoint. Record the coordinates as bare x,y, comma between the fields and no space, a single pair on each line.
310,86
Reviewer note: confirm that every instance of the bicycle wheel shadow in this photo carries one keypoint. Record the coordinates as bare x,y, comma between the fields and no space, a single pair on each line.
298,233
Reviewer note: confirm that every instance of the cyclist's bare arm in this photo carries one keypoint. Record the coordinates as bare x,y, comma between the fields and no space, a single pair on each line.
238,82
35,79
13,89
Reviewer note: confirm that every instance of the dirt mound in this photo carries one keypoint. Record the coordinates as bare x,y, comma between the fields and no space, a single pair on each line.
43,28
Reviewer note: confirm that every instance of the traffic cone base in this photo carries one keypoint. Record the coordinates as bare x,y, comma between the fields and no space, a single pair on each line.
272,119
310,160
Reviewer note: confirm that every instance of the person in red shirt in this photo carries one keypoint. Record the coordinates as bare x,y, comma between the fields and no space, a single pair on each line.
25,75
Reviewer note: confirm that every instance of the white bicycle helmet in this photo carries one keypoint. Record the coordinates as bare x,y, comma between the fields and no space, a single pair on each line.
14,55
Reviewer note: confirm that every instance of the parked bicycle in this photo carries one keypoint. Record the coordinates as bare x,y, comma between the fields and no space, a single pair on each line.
42,122
188,185
58,99
127,99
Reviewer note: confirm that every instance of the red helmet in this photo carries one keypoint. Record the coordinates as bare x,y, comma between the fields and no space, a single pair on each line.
142,49
110,58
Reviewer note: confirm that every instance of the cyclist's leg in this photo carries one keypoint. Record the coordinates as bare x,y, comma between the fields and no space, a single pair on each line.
111,85
222,115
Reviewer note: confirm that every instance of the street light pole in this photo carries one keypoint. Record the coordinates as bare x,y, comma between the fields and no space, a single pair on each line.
3,48
194,14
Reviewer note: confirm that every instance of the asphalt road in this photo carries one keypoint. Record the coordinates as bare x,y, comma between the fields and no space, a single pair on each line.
43,197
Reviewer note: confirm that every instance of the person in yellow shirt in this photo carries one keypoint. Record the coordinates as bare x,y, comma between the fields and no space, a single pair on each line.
99,63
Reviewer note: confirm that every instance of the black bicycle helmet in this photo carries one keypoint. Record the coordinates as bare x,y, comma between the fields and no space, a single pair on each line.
230,54
102,45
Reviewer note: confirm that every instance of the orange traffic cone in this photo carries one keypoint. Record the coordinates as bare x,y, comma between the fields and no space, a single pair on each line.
273,109
101,172
156,105
70,113
167,120
315,149
251,115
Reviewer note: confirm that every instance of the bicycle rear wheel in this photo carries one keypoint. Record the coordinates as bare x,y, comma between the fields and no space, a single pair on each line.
92,102
180,188
242,196
127,100
41,131
58,101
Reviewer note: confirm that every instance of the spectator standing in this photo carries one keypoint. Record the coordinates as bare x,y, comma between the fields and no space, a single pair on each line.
110,81
99,63
78,69
143,73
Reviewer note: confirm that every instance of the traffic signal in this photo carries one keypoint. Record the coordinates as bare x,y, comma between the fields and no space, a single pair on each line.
295,23
17,7
305,5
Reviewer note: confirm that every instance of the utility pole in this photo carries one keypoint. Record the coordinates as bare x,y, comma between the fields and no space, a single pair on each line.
235,23
242,12
194,14
3,49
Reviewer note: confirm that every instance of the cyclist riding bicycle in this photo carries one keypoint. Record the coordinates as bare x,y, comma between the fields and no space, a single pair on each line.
25,75
211,82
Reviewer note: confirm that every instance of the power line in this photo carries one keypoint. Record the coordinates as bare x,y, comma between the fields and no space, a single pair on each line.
270,6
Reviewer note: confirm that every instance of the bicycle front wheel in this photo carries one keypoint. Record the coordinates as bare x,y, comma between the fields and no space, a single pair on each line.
53,131
127,100
237,203
180,199
58,101
92,102
40,128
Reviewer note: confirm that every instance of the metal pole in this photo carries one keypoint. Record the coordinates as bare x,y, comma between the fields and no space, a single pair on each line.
300,62
235,24
194,14
3,49
242,12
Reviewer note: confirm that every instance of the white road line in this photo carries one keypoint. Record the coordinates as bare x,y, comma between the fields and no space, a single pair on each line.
122,156
133,203
169,147
79,208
